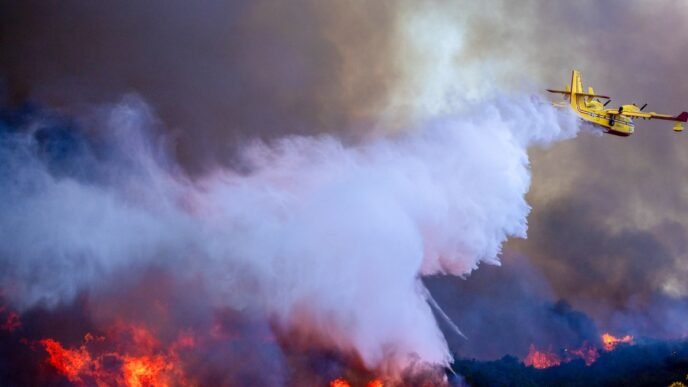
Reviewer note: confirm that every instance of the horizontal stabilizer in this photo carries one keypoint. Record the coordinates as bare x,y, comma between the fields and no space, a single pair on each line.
581,94
683,117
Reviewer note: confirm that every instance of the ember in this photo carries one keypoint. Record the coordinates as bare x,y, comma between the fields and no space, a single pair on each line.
12,321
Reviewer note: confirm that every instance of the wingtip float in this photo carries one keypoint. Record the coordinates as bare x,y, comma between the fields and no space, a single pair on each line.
617,121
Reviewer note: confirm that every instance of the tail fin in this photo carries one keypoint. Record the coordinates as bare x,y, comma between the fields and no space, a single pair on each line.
576,83
576,89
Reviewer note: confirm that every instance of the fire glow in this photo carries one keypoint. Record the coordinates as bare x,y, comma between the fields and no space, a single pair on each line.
339,382
611,342
101,361
541,359
10,320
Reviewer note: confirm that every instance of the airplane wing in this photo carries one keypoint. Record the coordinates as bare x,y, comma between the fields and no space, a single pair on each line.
683,117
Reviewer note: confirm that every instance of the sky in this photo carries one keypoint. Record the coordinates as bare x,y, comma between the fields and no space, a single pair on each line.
607,230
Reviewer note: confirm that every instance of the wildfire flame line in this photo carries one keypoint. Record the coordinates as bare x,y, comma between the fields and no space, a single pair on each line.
145,365
544,359
340,382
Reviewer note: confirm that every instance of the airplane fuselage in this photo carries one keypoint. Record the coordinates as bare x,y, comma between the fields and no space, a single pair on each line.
594,113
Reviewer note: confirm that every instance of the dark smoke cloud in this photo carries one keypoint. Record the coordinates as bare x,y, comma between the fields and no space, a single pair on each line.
622,276
601,253
503,310
608,227
217,72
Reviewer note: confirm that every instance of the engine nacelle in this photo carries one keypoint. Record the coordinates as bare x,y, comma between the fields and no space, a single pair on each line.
630,108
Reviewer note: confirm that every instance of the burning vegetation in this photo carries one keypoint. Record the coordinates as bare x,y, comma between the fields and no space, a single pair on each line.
339,382
539,358
129,356
648,362
611,342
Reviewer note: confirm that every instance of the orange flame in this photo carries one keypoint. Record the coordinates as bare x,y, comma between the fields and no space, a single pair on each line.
339,383
587,352
145,365
146,371
375,383
541,359
611,342
69,362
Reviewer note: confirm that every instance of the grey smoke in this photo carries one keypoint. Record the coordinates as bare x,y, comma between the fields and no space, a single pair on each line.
314,233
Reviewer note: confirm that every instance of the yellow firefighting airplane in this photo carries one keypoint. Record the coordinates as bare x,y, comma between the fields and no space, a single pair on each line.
614,121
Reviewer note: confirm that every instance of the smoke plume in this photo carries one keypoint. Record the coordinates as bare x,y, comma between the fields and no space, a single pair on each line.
321,237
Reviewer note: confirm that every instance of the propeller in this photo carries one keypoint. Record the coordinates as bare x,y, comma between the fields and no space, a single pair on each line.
644,106
607,103
620,109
